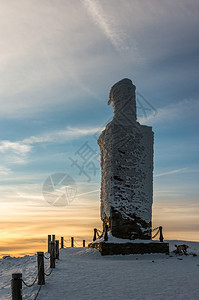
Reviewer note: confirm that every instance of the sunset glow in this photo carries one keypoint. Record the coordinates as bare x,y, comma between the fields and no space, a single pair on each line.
58,62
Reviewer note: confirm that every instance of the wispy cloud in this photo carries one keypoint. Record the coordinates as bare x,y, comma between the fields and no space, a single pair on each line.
16,147
183,170
13,152
90,192
96,12
16,152
4,170
185,108
69,133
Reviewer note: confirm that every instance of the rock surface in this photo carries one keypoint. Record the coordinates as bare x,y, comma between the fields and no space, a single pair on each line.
129,248
126,168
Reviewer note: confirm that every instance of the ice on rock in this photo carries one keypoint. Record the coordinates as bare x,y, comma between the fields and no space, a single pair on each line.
126,168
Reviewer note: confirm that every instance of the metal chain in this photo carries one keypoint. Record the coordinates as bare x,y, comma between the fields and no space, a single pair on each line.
49,273
38,292
77,244
99,235
155,234
30,285
66,241
155,229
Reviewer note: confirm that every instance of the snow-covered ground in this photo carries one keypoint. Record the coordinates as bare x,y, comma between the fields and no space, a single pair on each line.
84,274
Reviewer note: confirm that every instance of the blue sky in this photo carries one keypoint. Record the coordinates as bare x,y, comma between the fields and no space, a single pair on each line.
58,62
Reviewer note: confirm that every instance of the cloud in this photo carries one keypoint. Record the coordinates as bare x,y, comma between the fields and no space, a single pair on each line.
4,170
182,109
42,47
90,192
97,14
15,147
183,170
52,49
16,152
24,146
69,133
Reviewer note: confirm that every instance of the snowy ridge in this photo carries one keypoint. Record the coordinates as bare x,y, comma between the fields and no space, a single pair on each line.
84,274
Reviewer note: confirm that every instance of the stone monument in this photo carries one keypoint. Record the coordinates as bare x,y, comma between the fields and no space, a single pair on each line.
126,149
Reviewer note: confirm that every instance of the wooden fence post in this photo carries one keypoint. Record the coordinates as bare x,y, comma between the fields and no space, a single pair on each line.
53,237
84,243
52,254
49,240
106,233
72,242
95,234
40,265
16,286
62,242
161,235
57,249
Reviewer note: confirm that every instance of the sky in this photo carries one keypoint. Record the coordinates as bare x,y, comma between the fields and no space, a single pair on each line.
58,62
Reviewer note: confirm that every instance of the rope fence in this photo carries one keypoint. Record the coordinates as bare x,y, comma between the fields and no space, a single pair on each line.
53,254
30,285
37,293
78,244
46,257
17,280
155,229
73,243
49,273
156,233
42,272
98,234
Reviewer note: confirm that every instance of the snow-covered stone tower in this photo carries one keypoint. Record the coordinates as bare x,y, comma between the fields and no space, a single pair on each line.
126,168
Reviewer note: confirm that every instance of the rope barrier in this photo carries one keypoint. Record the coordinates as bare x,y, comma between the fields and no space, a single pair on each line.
41,285
30,285
155,228
156,233
17,280
49,273
66,242
46,257
77,244
48,266
99,235
37,293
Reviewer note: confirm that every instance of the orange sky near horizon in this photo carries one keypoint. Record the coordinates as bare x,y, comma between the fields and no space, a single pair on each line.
25,225
59,60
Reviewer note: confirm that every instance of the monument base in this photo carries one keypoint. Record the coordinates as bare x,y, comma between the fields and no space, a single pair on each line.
107,248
